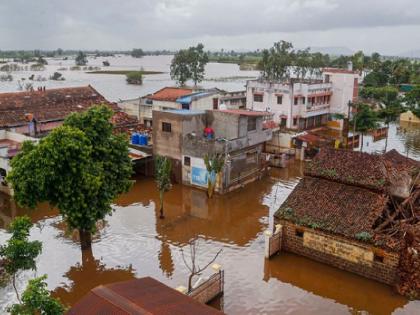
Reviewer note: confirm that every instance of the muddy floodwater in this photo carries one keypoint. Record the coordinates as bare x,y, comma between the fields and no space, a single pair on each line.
134,242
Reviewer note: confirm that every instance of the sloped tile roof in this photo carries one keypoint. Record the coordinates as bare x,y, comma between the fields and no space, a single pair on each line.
48,105
338,208
169,94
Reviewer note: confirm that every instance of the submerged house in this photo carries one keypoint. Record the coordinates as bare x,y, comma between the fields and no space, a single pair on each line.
238,135
38,112
337,212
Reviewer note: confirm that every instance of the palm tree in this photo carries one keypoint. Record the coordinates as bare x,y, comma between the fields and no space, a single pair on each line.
214,165
365,120
390,113
163,169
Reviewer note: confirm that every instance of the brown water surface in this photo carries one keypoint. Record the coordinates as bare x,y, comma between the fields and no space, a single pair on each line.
134,242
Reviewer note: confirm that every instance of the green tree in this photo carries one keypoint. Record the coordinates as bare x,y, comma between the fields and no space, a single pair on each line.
365,120
137,53
302,63
19,253
180,67
214,165
80,168
390,113
412,99
81,59
385,94
198,60
163,169
276,61
189,64
36,299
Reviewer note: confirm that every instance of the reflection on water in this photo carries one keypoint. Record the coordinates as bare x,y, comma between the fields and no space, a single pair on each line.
135,243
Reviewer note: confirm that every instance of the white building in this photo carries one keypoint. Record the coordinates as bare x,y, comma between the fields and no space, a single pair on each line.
304,104
10,144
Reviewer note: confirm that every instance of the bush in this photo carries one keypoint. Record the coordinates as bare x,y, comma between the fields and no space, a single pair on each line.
135,77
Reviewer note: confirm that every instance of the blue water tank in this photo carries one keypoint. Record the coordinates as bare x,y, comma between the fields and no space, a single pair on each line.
135,139
142,139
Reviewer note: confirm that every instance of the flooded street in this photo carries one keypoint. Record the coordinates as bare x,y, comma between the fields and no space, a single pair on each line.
134,242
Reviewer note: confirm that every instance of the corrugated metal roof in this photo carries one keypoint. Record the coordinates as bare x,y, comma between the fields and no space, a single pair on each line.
139,296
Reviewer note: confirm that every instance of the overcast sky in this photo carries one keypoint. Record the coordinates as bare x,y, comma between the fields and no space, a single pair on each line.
387,26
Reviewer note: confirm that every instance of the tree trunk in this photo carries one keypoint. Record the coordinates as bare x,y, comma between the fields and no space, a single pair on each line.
161,216
386,139
14,286
85,239
361,145
190,282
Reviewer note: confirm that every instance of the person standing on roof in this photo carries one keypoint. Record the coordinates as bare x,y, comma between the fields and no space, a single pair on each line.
209,132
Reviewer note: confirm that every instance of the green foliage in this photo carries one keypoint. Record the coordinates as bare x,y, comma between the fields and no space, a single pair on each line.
189,64
363,236
214,162
375,79
276,61
79,167
36,299
137,53
163,167
81,59
19,253
412,99
366,118
134,77
384,94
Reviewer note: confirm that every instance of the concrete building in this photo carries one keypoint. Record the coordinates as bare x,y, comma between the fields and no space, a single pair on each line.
305,104
239,135
233,100
171,98
10,144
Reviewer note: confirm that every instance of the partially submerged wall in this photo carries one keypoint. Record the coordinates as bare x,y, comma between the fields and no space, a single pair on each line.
340,252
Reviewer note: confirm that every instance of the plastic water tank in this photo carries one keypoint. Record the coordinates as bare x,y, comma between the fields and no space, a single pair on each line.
135,139
142,139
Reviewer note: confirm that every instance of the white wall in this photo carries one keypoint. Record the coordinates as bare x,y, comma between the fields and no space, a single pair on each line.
343,86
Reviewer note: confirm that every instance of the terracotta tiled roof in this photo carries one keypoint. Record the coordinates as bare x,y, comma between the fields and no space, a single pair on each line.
400,161
169,94
338,208
49,105
139,296
349,167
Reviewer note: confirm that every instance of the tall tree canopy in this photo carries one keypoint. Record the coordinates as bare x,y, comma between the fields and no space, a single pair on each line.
365,120
189,64
137,53
79,167
81,59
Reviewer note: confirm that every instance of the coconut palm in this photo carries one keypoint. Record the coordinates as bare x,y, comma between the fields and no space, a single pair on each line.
390,113
214,165
163,169
365,120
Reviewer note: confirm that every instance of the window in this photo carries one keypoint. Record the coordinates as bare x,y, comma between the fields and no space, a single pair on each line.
258,98
299,232
3,174
186,106
187,161
279,99
283,122
378,258
327,78
296,100
303,100
215,103
294,121
167,127
252,123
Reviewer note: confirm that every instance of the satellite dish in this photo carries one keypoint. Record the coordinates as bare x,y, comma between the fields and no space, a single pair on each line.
268,109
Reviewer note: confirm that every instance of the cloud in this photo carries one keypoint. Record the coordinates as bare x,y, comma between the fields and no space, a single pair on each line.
123,24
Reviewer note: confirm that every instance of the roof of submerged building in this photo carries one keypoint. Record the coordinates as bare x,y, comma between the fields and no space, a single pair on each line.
47,105
139,296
